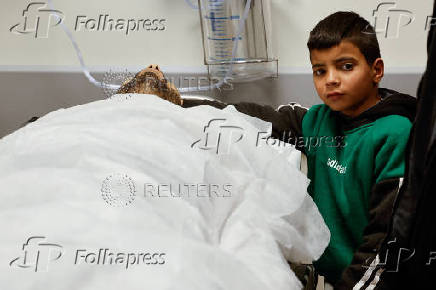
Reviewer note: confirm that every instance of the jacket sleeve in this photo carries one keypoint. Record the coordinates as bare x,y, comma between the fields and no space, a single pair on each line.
286,120
389,166
381,203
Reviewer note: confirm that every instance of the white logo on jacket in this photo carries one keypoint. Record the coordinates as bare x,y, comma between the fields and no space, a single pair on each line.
335,165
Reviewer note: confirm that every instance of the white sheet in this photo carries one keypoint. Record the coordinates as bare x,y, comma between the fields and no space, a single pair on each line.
53,172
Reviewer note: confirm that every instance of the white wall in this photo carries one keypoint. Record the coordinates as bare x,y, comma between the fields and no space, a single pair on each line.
178,48
29,91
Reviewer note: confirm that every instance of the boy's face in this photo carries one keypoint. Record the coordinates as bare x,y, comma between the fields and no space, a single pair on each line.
344,80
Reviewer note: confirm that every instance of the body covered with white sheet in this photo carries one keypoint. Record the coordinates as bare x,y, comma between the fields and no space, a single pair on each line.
59,178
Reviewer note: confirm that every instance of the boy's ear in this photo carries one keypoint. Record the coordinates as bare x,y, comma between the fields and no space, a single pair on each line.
377,69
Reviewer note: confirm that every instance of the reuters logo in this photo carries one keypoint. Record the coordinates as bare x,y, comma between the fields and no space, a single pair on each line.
118,190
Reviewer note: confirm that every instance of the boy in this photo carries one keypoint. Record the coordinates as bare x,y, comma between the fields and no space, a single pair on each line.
353,182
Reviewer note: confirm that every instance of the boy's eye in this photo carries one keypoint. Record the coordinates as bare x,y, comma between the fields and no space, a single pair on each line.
318,72
347,66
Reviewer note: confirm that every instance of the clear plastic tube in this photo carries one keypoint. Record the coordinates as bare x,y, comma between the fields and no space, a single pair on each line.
101,84
80,57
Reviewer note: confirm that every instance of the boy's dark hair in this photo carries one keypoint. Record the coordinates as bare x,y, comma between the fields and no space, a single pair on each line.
344,25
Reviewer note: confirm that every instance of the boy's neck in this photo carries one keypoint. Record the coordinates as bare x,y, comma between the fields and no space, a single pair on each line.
366,104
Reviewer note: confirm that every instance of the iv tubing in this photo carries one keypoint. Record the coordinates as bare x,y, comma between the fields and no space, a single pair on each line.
92,80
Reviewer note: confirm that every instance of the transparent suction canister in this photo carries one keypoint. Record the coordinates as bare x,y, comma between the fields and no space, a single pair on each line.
253,58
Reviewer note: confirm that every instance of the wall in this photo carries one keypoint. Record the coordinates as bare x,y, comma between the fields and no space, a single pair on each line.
41,74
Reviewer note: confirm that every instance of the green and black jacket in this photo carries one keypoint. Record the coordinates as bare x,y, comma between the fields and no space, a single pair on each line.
355,165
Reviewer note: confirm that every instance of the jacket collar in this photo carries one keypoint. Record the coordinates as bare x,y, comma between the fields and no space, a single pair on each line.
392,103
